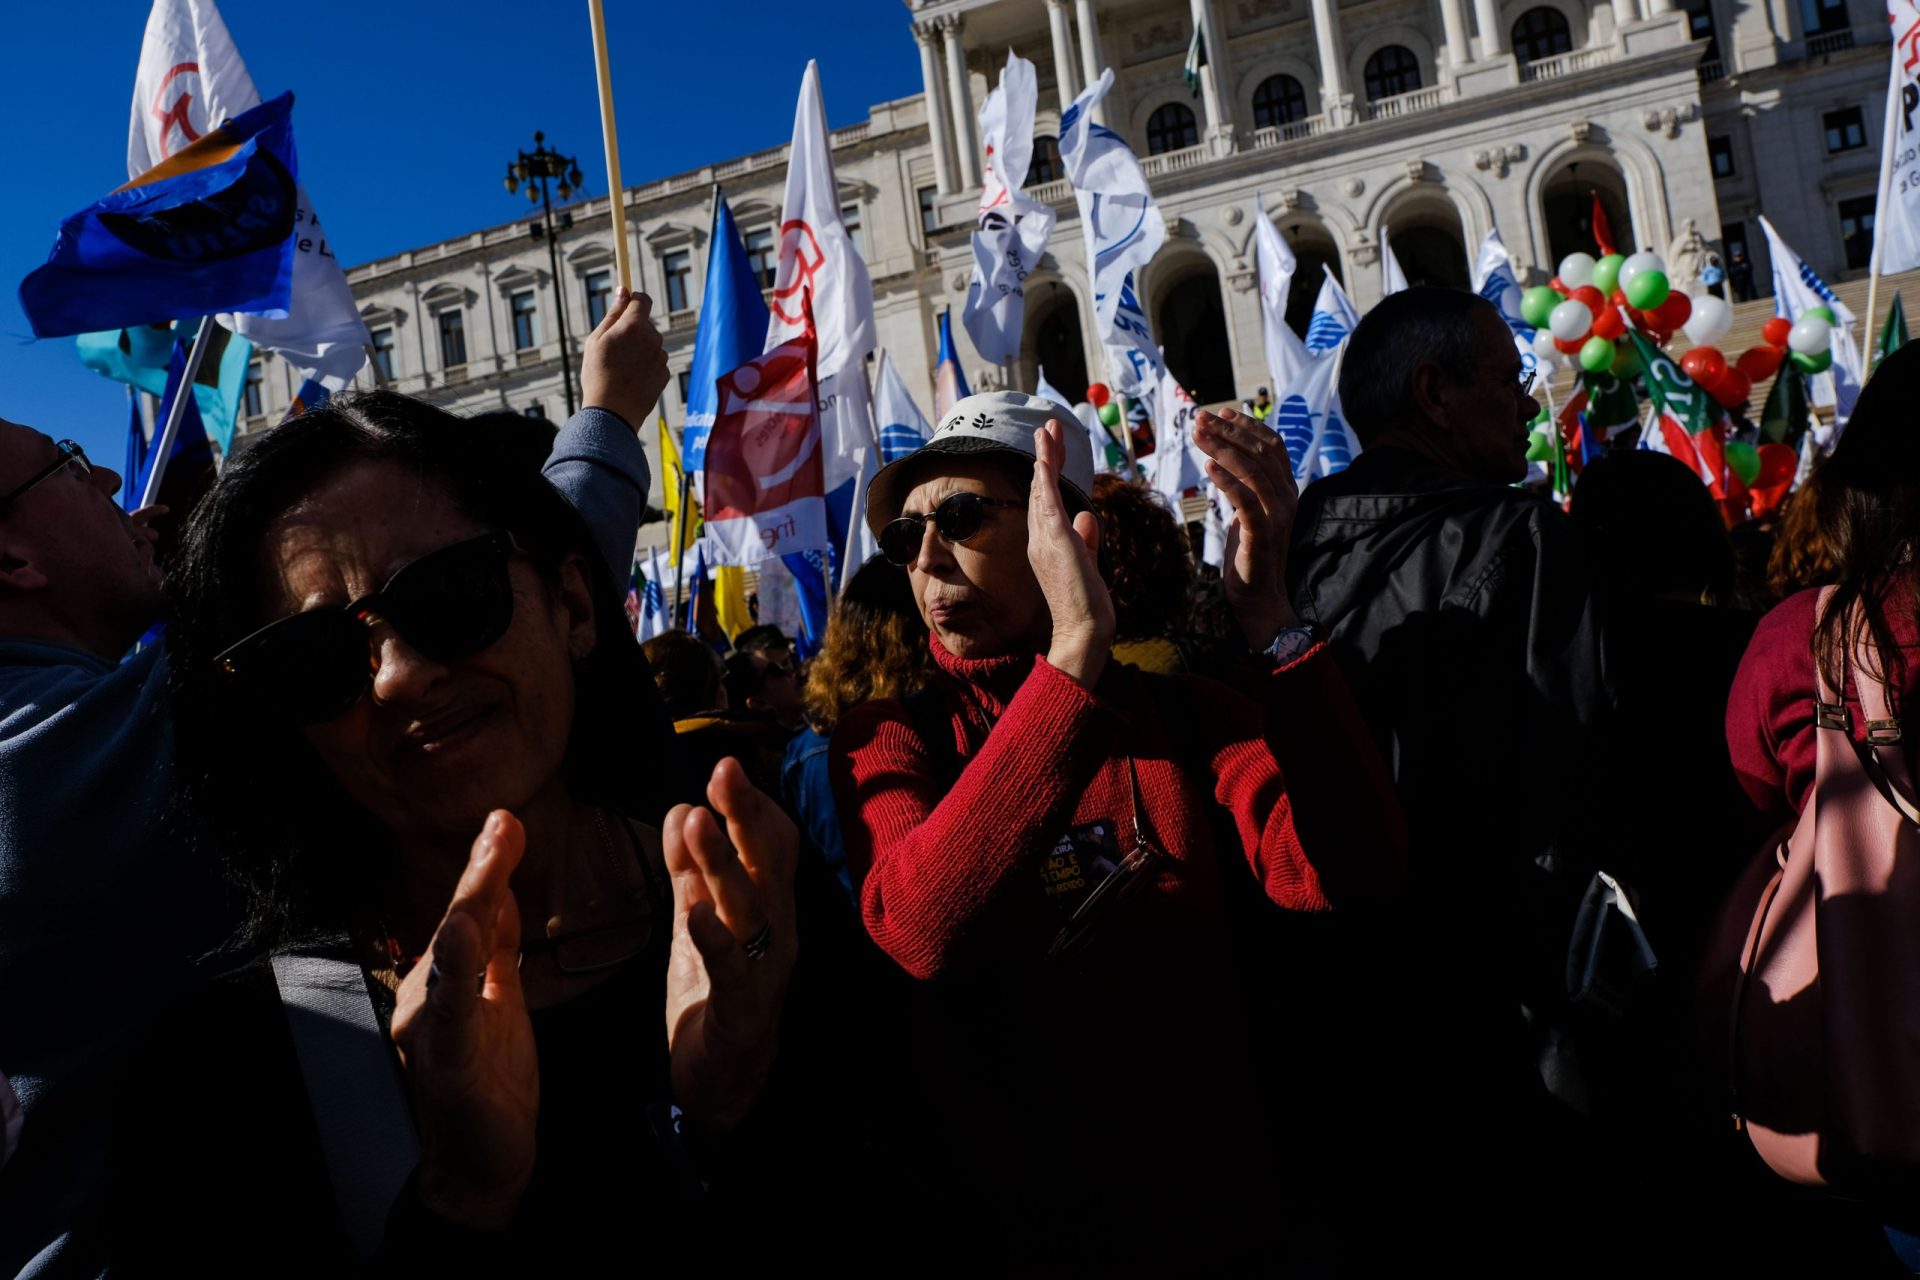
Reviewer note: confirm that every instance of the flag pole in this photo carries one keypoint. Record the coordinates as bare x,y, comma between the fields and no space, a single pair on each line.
163,446
1889,146
616,194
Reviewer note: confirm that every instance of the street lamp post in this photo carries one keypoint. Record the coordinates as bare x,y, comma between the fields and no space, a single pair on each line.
537,168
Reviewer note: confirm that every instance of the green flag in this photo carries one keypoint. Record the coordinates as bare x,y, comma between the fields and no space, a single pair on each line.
1893,334
1673,392
1196,59
1784,419
1610,400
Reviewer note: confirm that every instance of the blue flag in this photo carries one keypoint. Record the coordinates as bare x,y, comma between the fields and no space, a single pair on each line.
210,229
189,468
733,330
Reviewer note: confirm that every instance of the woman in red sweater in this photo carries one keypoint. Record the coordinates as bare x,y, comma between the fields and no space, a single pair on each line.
1034,840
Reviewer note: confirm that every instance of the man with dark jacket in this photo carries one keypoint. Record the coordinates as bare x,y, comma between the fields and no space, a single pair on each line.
1461,611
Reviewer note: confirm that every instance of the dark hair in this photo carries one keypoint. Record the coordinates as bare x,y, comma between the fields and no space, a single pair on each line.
687,671
1656,526
302,852
1144,558
746,674
1402,331
759,639
876,646
1869,509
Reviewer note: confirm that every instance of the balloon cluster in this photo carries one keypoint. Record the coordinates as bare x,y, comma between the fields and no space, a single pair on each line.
1806,341
1584,313
1100,396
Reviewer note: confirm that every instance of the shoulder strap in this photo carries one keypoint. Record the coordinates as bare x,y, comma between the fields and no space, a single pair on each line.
354,1088
1883,730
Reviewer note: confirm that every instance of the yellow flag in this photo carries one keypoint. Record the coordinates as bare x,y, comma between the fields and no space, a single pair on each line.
730,600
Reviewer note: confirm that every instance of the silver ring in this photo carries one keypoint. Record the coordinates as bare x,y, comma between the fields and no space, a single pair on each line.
758,945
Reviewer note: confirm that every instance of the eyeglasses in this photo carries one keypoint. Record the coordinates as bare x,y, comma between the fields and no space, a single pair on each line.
312,666
957,518
71,455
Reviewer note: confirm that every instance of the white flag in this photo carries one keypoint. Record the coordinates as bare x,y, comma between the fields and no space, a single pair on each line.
1896,223
861,544
1494,280
817,259
1796,287
903,428
191,80
1178,463
1334,316
1011,231
1307,416
1124,229
1392,278
653,599
1213,544
1286,355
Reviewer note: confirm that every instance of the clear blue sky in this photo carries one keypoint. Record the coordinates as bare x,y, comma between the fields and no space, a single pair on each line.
405,116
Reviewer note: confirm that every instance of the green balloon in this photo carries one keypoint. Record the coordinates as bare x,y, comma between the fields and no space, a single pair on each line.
1626,360
1648,290
1744,459
1606,273
1537,304
1825,313
1540,446
1596,354
1818,362
1110,413
1542,418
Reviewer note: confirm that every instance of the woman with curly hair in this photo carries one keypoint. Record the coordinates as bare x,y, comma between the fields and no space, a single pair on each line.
1147,566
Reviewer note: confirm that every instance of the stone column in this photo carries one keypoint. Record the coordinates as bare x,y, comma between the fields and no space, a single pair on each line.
1219,131
1089,51
960,99
1624,11
938,124
1493,36
1336,99
1059,23
1657,7
1453,21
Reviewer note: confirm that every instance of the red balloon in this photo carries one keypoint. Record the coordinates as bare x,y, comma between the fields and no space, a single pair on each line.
1673,313
1774,332
1732,389
1569,348
1608,323
1098,394
1761,363
1596,301
1705,365
1777,465
1620,299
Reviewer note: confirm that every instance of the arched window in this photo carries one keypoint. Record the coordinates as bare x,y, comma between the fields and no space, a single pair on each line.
1279,100
1045,165
1391,71
1171,128
1541,33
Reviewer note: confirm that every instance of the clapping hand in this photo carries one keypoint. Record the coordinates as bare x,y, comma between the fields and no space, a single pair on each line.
624,366
1064,555
1250,465
467,1043
734,943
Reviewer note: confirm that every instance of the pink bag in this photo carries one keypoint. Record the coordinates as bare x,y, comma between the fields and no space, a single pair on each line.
1820,945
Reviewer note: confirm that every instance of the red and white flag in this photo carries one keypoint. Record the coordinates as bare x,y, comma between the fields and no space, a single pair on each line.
765,475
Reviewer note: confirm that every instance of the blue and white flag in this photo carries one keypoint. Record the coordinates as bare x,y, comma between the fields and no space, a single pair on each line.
1010,231
1494,280
1797,287
654,614
1334,317
1124,229
1178,463
903,428
733,330
949,379
1307,416
1287,356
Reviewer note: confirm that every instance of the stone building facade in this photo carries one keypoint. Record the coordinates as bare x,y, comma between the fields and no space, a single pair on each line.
1436,119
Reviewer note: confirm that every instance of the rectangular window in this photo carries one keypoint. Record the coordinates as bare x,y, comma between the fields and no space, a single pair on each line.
764,255
383,352
599,296
850,219
929,220
453,338
524,335
255,391
685,380
1820,17
1856,231
1720,156
677,267
1846,131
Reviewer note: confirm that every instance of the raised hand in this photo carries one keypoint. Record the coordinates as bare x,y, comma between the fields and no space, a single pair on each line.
624,366
1250,465
1064,555
732,890
467,1044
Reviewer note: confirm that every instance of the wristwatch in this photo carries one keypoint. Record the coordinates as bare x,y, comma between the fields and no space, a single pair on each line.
1290,645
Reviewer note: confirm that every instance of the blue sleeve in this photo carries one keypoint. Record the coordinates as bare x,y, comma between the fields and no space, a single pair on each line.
808,792
599,465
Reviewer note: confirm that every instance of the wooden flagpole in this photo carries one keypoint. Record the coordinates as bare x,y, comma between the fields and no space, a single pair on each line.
616,194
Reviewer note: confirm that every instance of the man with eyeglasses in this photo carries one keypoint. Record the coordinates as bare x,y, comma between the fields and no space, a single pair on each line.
105,914
1462,610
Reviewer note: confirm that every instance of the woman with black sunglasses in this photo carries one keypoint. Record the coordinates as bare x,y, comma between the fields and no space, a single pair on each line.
517,1004
1032,841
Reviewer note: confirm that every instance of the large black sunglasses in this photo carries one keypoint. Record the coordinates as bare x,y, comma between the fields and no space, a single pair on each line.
314,665
957,518
70,453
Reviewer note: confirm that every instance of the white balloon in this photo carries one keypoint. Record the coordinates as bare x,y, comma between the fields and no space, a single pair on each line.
1636,263
1710,320
1810,336
1576,269
1543,349
1570,320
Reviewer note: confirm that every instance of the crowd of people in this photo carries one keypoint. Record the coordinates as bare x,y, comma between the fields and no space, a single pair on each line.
1076,909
